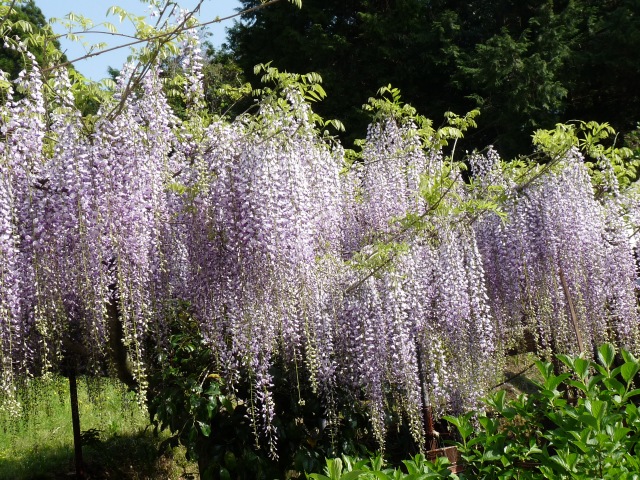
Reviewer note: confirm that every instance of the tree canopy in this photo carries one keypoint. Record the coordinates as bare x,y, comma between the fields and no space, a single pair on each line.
526,64
25,20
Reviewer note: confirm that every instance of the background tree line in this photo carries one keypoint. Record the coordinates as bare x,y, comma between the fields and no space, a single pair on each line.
526,63
27,20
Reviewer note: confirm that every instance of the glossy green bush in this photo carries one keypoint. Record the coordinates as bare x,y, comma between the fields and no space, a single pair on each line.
581,424
417,468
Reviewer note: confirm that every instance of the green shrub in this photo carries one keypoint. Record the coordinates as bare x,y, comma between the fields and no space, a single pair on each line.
347,468
580,424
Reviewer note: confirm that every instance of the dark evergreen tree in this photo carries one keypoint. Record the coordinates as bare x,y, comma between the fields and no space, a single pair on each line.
527,63
356,46
27,11
605,68
512,56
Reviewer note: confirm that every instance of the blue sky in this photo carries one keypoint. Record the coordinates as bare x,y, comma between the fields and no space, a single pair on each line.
96,10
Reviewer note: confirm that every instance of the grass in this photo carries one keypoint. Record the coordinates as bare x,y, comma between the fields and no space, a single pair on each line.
119,443
520,374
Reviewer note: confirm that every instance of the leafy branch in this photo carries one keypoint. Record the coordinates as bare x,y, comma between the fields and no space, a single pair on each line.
166,37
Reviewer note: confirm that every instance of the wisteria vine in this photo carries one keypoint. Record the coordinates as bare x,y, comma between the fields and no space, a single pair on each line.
369,276
560,270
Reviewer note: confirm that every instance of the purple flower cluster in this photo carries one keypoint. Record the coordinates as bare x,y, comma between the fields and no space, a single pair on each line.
260,237
372,281
82,218
420,329
22,132
560,270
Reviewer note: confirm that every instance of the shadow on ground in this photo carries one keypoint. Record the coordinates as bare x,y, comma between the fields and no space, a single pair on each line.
521,382
132,457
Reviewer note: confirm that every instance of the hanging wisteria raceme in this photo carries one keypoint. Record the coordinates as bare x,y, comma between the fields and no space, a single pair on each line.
129,161
422,329
21,145
560,270
262,240
62,255
376,281
11,348
82,227
621,214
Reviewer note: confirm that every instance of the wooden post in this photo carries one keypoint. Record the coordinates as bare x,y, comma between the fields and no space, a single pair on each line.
432,436
427,415
572,310
75,418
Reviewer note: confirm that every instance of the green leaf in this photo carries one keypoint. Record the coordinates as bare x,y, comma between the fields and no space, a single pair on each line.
581,367
606,354
597,407
584,449
377,463
492,454
224,474
462,424
620,432
212,409
633,462
632,393
614,385
628,356
497,401
205,428
589,420
489,424
193,434
553,381
577,384
629,370
381,475
351,475
334,468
